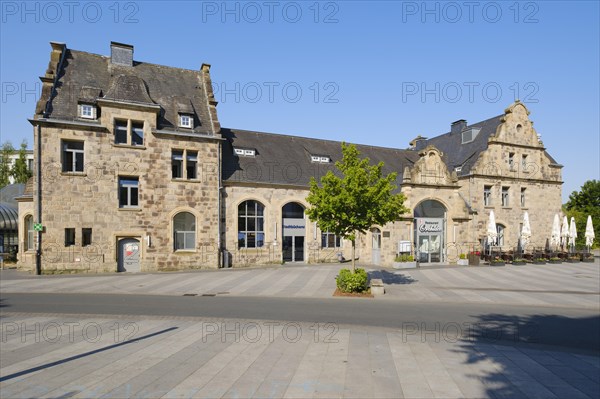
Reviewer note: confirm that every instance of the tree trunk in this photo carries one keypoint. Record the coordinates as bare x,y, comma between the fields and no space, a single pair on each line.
353,257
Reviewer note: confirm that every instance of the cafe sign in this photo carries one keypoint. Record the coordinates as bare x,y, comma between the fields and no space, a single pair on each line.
426,225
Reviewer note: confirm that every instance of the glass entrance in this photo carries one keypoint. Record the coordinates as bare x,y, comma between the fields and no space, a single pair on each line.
294,227
430,248
430,228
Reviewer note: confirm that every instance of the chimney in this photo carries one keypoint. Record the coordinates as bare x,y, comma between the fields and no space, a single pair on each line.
458,126
418,143
121,54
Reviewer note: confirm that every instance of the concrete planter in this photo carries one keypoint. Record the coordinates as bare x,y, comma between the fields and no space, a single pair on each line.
404,265
518,263
588,260
555,262
462,262
497,263
538,262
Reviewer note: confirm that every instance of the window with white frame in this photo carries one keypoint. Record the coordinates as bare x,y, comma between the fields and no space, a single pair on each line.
245,152
500,231
330,240
29,233
251,224
129,132
505,196
320,159
184,164
87,111
487,195
186,120
511,160
184,231
72,156
524,163
128,192
523,201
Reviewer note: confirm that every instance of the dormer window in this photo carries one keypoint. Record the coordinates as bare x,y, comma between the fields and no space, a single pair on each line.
320,159
87,111
469,135
244,152
186,120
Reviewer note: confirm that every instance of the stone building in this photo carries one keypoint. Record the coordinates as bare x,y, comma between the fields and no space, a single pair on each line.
137,174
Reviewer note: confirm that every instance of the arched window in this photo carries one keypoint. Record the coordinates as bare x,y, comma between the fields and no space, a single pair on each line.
184,231
500,230
251,224
29,240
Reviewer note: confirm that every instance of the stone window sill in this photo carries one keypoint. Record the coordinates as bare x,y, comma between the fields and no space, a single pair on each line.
81,174
130,209
182,180
133,147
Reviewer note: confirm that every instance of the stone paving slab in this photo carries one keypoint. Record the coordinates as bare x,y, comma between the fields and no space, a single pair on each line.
563,285
191,358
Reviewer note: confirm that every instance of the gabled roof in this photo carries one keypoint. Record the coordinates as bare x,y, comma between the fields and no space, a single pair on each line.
286,160
10,192
465,155
89,77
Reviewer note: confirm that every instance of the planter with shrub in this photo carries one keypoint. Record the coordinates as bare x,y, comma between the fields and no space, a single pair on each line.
462,260
497,262
352,282
555,261
404,262
519,262
539,261
474,258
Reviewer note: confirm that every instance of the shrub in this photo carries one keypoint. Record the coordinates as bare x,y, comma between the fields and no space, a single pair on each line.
352,282
404,258
462,256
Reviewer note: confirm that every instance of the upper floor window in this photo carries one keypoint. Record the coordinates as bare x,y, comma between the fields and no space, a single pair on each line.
87,111
72,156
505,196
523,197
184,164
186,120
129,132
86,237
330,240
511,160
69,237
320,159
500,230
524,163
487,195
245,152
128,192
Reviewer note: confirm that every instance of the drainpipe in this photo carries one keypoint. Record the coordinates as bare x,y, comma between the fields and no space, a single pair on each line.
38,252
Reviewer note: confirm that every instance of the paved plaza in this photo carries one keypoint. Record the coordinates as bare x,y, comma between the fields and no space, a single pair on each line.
92,356
562,285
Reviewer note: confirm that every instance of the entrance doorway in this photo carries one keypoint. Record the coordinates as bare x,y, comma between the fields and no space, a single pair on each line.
430,227
294,231
376,246
128,256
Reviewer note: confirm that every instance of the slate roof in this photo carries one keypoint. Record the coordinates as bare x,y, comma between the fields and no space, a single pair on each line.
465,155
87,77
286,160
10,192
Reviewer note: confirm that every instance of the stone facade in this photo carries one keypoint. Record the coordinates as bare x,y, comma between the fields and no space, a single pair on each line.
444,180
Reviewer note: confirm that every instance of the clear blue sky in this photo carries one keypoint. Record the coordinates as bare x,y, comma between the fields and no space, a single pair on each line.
369,72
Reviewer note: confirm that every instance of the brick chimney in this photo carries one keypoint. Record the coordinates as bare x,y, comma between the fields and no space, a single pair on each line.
458,126
121,54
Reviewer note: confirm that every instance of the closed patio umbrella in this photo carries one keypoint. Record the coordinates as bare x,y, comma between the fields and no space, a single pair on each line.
526,230
572,233
564,232
492,232
555,236
589,232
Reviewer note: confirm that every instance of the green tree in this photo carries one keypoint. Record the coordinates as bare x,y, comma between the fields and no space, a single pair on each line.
6,151
20,172
581,204
356,201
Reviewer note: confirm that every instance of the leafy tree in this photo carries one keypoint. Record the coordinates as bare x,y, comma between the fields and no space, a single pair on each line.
356,201
20,172
6,151
583,203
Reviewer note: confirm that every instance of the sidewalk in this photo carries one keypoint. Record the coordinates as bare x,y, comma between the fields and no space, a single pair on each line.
563,285
153,358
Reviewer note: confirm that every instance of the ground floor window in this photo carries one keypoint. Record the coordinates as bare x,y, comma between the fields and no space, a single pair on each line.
330,240
184,231
251,224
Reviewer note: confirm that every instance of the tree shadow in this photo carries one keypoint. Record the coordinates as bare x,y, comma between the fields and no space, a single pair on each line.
538,355
396,278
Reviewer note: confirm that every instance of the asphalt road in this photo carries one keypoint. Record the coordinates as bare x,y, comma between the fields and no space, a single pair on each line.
565,327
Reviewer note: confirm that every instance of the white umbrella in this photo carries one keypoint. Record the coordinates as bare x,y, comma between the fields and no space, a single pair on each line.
555,237
526,230
492,233
564,232
589,232
572,232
